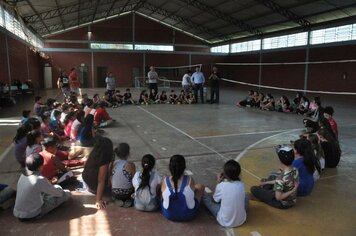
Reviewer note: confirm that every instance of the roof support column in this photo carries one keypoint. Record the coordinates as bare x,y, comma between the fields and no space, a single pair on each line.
8,62
260,67
306,67
133,29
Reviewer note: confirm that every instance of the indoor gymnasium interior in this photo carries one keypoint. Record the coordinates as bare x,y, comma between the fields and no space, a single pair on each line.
177,117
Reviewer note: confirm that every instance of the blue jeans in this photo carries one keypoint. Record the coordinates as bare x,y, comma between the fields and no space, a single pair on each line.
199,87
212,206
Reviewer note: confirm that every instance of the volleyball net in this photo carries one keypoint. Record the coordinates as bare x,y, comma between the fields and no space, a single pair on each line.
231,74
169,76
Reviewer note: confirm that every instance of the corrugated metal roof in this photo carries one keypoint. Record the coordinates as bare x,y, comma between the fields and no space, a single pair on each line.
215,21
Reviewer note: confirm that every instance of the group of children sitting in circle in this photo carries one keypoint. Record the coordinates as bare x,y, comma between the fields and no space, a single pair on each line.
115,99
40,148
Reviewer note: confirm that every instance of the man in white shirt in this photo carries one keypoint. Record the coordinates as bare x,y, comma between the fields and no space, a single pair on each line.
110,84
186,81
198,81
152,80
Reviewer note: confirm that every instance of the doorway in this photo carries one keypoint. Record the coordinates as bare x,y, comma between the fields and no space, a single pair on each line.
101,73
83,76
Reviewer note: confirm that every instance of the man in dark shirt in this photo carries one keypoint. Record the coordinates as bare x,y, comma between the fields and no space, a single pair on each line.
63,84
214,79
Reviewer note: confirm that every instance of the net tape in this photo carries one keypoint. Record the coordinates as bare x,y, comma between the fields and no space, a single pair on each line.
288,89
283,63
178,67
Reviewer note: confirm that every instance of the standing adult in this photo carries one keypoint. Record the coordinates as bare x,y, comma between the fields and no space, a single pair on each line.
186,81
74,81
110,84
63,84
214,85
198,81
152,80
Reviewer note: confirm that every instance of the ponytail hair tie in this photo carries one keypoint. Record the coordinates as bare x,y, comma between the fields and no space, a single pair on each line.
145,165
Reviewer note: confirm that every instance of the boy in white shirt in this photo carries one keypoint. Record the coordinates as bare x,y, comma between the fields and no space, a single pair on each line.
229,203
36,196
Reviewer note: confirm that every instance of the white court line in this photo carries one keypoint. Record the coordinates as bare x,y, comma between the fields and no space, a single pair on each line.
255,233
261,141
192,138
241,134
331,176
229,232
4,154
9,121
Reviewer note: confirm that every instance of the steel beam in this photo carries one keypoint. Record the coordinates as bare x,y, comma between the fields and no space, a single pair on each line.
60,16
40,18
96,8
87,19
65,10
285,12
112,5
223,16
78,11
179,19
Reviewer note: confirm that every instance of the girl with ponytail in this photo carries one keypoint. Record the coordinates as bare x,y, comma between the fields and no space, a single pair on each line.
147,184
306,163
180,196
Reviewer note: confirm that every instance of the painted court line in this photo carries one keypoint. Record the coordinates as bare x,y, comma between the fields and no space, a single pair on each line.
192,138
242,134
261,141
255,233
229,232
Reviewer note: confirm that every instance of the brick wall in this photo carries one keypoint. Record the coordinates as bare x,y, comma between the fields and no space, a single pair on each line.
18,62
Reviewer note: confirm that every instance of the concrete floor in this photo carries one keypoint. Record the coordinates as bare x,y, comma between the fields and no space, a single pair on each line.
207,135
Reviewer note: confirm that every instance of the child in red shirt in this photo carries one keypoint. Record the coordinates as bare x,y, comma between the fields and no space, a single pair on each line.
328,114
101,116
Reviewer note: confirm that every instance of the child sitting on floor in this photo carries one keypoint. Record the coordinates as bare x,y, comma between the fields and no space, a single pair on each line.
229,203
143,100
153,96
163,97
56,161
280,191
180,195
34,139
118,98
25,116
190,97
328,114
173,97
121,176
268,104
147,184
36,196
128,97
181,98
